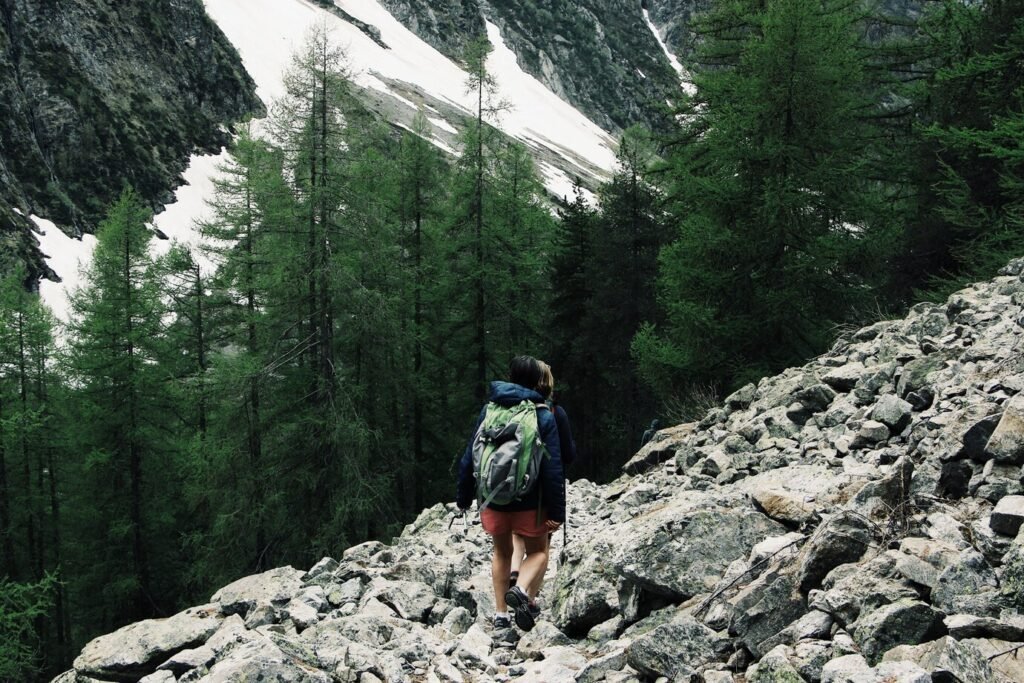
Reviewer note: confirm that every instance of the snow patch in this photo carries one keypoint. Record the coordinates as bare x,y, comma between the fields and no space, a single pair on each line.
65,256
684,75
443,125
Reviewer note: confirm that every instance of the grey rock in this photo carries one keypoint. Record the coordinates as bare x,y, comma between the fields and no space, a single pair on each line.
321,572
741,398
886,497
845,377
838,413
893,412
764,608
869,434
678,551
976,438
963,626
962,584
774,667
137,649
677,648
408,599
947,659
855,669
814,625
474,649
837,541
783,507
905,622
274,587
586,586
810,656
916,374
855,589
457,621
1008,516
596,669
662,446
158,677
1006,444
544,635
350,591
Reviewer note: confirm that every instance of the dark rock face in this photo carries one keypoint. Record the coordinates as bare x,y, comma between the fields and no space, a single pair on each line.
98,94
598,55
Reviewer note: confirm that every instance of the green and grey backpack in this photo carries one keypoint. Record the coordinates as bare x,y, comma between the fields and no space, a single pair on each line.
507,452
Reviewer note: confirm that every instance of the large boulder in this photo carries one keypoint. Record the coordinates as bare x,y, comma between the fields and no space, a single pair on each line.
1008,516
683,548
893,412
903,622
1006,444
275,587
585,590
136,650
764,608
854,668
662,446
886,498
967,586
679,647
838,540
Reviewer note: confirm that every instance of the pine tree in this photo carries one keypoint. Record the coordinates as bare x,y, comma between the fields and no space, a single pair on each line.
780,225
121,406
974,128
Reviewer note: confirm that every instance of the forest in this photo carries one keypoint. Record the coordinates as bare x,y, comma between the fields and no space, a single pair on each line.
306,381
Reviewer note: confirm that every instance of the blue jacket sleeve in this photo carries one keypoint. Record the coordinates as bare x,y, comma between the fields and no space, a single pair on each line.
466,488
552,478
565,441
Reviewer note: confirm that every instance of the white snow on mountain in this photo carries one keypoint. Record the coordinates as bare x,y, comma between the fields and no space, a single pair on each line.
684,75
267,33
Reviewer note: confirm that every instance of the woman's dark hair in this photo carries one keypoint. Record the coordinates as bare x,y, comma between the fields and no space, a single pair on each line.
525,371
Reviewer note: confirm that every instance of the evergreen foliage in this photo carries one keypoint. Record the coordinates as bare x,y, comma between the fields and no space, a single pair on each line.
779,225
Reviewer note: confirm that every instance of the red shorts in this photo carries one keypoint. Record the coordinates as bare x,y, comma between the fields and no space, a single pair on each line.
523,523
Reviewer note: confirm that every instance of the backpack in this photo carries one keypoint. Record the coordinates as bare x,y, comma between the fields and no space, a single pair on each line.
507,452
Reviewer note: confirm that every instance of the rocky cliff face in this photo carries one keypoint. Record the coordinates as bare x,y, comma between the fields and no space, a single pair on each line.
95,95
599,55
856,520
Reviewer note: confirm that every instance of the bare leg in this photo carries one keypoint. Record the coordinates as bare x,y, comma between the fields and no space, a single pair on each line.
536,562
518,551
501,562
534,588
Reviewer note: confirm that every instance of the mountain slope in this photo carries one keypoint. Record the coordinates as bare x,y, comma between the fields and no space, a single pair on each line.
853,520
97,95
596,54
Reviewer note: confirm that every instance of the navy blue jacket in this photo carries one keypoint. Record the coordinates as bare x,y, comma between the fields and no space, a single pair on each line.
552,482
566,445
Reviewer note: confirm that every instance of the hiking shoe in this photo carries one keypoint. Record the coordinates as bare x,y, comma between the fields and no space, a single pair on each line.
501,622
518,600
512,578
534,610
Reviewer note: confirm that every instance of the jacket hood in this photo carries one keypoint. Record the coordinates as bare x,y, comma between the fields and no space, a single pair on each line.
508,394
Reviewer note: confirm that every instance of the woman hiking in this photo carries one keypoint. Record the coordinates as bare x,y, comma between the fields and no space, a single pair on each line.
538,512
567,448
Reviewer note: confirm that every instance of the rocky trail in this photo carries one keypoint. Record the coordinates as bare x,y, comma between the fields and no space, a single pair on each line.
855,520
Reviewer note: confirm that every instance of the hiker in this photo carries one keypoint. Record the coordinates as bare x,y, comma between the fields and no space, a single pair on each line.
535,513
651,431
567,446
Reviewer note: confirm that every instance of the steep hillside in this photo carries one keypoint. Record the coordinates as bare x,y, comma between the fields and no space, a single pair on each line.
596,54
856,520
97,95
